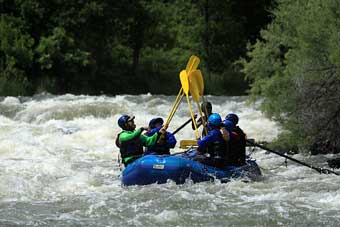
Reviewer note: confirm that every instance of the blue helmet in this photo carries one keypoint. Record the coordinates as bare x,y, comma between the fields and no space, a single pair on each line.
215,120
153,122
233,118
229,125
124,119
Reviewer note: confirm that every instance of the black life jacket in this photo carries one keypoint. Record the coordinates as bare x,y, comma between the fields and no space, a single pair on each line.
159,148
217,150
130,148
237,148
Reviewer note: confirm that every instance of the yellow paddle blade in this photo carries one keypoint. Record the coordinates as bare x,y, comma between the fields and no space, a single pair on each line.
184,81
192,64
197,74
194,85
196,90
183,144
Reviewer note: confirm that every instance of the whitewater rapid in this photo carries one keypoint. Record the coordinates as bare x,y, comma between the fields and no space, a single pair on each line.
58,163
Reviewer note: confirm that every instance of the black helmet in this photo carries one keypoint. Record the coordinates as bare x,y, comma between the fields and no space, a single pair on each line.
206,106
233,118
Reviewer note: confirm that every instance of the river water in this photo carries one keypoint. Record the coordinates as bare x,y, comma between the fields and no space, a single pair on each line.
58,167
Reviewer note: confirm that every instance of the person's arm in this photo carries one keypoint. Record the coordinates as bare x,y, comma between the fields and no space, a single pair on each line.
171,140
225,134
202,143
128,135
149,140
153,131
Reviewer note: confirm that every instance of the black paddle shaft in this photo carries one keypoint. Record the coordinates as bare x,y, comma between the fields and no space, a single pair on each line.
182,126
320,170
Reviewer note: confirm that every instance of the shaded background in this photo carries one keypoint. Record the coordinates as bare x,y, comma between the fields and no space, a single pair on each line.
132,47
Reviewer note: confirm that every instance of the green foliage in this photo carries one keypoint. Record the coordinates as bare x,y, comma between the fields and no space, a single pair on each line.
94,47
229,82
16,56
59,47
287,142
295,67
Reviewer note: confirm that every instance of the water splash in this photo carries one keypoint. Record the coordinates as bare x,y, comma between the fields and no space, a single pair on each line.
59,167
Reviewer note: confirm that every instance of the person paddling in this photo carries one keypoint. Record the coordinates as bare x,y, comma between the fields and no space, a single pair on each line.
131,141
236,146
163,145
206,107
212,146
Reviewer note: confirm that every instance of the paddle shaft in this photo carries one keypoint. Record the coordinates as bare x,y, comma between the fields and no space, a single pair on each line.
175,106
182,152
182,126
320,170
196,90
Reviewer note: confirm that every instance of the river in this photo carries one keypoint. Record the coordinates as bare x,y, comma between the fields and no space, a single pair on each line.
58,163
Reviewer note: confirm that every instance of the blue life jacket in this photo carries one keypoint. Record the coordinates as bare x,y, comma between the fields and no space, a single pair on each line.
164,146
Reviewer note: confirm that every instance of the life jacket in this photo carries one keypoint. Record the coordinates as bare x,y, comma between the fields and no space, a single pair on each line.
130,150
159,149
237,147
217,150
117,140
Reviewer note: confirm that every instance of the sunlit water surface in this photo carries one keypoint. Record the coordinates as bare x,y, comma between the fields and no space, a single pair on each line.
58,163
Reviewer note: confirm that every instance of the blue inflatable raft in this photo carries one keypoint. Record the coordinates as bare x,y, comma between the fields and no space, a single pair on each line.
160,169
